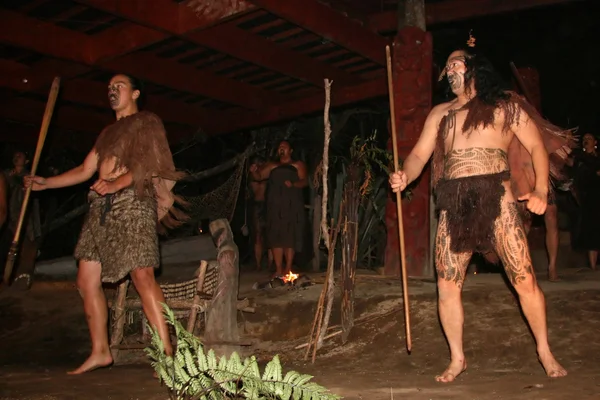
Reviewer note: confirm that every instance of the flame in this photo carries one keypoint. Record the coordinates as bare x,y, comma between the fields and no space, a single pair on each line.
290,277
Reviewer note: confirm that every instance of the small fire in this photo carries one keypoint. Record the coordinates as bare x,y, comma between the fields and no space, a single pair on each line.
290,277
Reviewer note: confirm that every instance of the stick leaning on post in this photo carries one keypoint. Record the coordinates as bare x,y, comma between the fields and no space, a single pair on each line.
14,247
399,202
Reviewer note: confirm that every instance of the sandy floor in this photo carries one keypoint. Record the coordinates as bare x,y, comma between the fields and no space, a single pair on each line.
43,334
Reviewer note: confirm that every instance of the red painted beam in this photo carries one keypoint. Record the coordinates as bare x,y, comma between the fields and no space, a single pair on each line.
122,39
146,66
70,118
42,37
64,116
167,15
456,10
26,134
152,24
190,79
225,38
91,93
229,39
332,25
308,105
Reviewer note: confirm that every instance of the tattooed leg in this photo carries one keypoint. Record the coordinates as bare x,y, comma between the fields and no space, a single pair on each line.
511,245
451,268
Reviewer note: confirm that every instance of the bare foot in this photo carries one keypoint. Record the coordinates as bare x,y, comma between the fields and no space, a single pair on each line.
552,367
553,277
93,362
453,371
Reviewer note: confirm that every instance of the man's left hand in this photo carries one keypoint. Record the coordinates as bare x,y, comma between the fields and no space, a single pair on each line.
288,184
103,187
536,202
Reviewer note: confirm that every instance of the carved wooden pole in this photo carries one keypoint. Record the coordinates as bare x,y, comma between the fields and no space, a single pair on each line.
221,323
411,13
412,64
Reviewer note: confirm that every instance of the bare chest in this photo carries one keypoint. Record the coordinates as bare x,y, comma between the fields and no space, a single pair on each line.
488,136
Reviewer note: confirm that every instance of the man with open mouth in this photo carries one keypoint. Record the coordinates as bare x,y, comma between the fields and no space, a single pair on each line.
472,142
132,193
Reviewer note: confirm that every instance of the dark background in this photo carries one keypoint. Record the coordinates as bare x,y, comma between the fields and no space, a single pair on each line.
560,41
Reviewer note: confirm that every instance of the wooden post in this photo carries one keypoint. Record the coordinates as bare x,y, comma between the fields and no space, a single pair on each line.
316,231
221,321
201,273
412,70
411,13
118,319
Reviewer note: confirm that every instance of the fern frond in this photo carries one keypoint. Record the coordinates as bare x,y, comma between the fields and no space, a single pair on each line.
193,374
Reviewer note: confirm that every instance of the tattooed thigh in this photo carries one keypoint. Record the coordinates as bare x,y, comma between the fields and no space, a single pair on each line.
511,244
450,266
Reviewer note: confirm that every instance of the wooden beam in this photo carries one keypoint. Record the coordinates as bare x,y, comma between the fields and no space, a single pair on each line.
229,39
456,10
26,134
38,79
167,15
330,24
42,37
226,38
122,39
144,65
152,24
67,117
190,79
64,117
292,109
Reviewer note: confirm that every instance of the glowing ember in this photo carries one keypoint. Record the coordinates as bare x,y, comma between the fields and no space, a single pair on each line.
290,277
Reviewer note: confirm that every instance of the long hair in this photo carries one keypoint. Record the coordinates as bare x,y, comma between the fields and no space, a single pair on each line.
490,95
489,85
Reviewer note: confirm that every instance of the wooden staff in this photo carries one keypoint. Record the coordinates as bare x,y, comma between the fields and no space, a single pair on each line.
398,202
12,253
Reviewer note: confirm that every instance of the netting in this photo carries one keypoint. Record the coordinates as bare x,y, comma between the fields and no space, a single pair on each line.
220,202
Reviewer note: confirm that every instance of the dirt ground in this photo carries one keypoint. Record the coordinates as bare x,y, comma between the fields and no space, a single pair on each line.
43,334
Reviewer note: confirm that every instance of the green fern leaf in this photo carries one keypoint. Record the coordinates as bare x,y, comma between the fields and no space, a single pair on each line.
190,363
202,360
211,358
193,374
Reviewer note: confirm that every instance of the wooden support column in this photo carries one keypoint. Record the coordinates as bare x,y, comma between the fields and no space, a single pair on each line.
412,60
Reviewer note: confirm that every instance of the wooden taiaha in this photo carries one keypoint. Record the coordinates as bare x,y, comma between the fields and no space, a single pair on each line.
399,202
14,247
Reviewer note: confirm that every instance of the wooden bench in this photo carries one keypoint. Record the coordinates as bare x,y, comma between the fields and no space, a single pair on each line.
187,299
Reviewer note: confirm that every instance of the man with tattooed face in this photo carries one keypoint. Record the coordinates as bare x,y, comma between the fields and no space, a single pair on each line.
131,194
470,138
